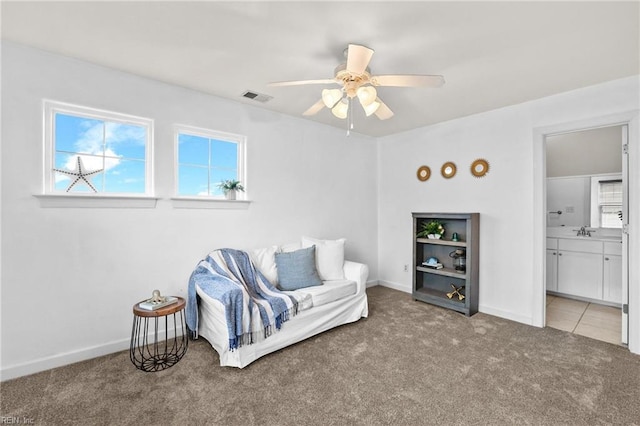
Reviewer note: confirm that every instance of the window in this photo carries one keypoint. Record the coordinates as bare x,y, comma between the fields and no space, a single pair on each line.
205,158
95,152
610,203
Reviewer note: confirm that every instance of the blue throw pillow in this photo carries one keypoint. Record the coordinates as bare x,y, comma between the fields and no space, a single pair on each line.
297,269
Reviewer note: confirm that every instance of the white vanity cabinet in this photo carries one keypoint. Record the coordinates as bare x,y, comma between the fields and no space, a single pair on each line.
585,268
580,268
612,278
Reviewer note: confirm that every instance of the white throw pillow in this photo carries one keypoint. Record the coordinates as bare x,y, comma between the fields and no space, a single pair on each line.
264,260
289,247
329,257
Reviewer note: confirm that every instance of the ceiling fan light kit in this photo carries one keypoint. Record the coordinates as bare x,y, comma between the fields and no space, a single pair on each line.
367,95
371,108
341,109
357,82
330,97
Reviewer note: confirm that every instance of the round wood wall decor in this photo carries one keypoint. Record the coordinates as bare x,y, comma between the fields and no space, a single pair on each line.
423,173
480,167
448,170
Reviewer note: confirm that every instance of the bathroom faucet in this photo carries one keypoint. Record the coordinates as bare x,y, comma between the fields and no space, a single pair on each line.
584,232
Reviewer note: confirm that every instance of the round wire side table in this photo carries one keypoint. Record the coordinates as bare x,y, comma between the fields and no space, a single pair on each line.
154,348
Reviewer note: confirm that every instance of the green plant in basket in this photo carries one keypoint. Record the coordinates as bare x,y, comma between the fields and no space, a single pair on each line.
433,227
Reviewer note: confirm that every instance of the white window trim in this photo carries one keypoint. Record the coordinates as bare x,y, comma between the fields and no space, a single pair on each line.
208,201
65,199
93,201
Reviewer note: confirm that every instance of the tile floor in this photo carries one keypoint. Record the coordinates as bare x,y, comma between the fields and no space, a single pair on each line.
587,319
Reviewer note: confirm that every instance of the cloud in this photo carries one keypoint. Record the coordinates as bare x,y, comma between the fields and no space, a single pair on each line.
95,134
90,163
91,144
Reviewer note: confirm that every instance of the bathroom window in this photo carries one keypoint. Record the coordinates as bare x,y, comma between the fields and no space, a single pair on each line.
610,203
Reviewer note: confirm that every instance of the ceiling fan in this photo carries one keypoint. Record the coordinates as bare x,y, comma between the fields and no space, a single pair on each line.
357,82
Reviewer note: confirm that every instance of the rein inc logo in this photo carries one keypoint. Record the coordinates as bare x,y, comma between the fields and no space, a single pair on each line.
16,420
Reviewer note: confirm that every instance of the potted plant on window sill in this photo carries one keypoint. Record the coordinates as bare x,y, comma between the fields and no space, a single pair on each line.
231,188
433,230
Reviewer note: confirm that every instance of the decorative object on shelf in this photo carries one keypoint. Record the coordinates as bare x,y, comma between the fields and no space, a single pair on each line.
156,297
433,262
424,173
455,237
433,230
448,170
456,292
459,257
480,167
79,175
157,301
230,188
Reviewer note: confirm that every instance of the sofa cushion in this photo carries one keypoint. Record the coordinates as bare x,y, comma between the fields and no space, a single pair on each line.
297,269
329,257
264,260
331,291
305,301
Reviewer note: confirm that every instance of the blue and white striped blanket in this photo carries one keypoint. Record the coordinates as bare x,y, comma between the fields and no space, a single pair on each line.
254,308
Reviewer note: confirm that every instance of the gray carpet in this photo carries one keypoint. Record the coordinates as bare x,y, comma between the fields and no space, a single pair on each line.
408,363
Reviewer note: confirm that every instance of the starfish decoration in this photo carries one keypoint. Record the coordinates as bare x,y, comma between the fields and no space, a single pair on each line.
80,175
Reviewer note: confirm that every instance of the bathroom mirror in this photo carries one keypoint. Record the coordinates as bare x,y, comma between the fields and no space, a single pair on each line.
576,163
448,170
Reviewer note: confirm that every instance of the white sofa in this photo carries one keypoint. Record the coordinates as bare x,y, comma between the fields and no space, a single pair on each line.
334,303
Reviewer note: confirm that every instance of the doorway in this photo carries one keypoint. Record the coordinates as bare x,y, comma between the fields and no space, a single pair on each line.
586,208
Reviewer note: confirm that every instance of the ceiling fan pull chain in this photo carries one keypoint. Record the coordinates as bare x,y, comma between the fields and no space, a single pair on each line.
350,115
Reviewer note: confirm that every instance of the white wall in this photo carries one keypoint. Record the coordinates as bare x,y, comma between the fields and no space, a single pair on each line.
504,197
70,276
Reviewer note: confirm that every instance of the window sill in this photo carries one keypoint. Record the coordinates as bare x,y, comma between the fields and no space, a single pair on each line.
209,203
96,201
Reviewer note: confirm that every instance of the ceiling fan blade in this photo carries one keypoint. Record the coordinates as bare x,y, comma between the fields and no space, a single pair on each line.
358,58
383,112
313,109
301,82
408,80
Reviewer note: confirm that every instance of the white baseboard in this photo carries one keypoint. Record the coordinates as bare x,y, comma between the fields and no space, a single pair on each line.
63,359
395,286
60,360
482,308
372,283
505,314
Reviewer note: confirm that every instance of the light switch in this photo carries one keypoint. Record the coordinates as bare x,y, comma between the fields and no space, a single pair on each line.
569,209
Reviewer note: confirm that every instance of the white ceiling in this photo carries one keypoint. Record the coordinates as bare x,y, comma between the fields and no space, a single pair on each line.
492,54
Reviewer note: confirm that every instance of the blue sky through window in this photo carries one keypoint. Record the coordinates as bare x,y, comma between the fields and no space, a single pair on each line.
204,162
117,148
